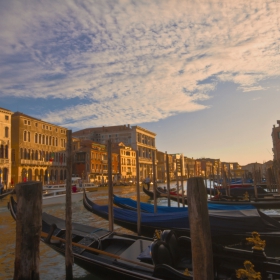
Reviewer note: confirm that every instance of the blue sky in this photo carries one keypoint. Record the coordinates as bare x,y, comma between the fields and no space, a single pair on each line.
203,75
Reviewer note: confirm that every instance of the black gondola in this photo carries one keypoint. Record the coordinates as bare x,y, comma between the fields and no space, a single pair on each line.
121,256
6,193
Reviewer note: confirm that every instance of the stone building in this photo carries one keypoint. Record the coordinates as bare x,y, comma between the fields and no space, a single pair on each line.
135,137
38,150
91,161
127,162
5,147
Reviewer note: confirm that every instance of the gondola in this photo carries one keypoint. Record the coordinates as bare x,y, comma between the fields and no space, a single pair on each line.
7,192
224,223
160,192
114,255
128,203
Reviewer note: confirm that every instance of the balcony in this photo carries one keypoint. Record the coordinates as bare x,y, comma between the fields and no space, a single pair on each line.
4,160
41,162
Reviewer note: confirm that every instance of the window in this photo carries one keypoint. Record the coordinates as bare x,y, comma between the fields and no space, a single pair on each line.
28,136
25,121
6,117
24,136
6,132
36,124
36,138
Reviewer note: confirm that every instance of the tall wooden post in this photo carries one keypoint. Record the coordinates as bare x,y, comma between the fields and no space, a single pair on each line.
68,211
177,188
154,181
138,194
110,187
28,230
255,182
168,178
202,258
182,181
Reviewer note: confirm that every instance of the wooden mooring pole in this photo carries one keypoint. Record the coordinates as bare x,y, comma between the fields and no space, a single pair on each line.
110,187
69,259
28,230
168,179
138,194
202,258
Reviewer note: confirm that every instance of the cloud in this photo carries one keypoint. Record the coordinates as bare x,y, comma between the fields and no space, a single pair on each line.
134,61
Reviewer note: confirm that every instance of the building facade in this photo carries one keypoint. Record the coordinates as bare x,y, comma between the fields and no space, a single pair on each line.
5,147
38,150
91,161
135,137
127,162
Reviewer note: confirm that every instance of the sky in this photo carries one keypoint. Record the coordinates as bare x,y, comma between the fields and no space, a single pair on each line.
203,75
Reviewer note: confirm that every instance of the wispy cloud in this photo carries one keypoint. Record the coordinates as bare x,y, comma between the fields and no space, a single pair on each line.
134,61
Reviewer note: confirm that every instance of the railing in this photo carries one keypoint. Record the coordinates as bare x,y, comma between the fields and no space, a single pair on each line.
41,162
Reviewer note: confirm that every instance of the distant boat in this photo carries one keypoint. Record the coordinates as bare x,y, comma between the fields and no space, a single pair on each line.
58,196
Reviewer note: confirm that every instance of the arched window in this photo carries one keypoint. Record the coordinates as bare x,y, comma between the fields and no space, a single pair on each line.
50,140
43,139
36,155
47,140
53,141
21,153
1,151
6,132
24,135
36,138
25,154
40,138
56,141
28,136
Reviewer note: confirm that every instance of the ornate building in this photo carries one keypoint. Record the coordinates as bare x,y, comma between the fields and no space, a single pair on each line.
5,147
91,161
275,134
136,137
38,150
127,162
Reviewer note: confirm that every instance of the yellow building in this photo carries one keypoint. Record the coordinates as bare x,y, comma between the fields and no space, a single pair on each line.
38,150
127,162
5,147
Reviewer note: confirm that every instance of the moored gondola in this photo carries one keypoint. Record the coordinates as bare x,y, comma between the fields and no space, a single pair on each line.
121,256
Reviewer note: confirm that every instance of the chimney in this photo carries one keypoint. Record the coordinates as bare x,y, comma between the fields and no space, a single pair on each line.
278,122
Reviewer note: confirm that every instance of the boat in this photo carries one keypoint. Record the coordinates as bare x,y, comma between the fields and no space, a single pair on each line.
7,192
122,256
223,223
90,187
128,203
161,192
58,196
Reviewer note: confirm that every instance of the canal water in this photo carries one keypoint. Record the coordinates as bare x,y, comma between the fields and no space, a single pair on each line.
52,265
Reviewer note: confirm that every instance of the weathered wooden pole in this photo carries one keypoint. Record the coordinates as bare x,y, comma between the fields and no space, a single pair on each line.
138,194
154,181
202,258
182,181
168,178
255,183
110,187
28,230
177,188
68,211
